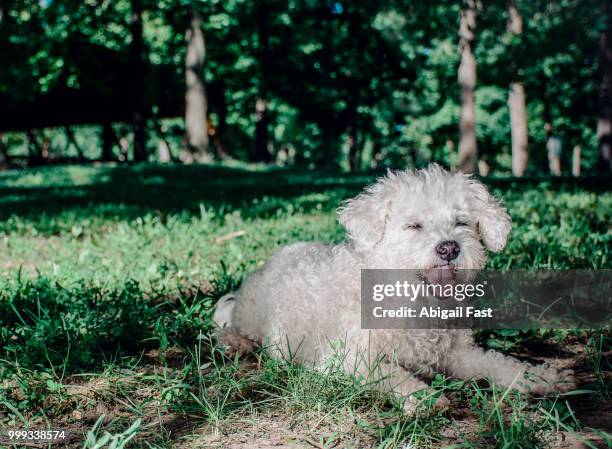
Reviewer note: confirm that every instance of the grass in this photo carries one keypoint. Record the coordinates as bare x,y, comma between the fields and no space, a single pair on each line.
109,275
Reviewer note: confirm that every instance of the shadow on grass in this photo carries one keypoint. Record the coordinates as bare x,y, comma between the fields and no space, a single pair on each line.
166,189
139,189
43,323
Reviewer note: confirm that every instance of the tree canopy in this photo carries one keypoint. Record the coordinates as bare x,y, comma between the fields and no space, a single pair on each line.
359,84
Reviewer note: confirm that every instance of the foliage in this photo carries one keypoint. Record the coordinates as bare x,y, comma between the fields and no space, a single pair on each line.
116,441
386,69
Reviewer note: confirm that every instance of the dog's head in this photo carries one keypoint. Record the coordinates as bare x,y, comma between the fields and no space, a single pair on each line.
426,220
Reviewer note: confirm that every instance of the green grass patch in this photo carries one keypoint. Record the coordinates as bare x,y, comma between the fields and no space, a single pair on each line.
105,265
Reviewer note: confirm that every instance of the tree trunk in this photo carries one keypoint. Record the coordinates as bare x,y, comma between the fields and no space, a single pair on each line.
137,71
352,118
604,122
196,103
164,152
5,6
261,153
518,126
261,129
71,138
576,161
376,154
5,159
107,141
2,13
330,141
124,148
468,148
517,105
35,150
353,149
354,91
219,134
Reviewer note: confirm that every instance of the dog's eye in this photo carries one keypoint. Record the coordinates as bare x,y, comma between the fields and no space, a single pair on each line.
461,223
412,226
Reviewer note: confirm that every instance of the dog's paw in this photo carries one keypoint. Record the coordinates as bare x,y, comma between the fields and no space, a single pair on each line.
565,381
544,380
233,343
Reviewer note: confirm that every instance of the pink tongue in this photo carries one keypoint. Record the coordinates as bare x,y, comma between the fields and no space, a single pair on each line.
440,275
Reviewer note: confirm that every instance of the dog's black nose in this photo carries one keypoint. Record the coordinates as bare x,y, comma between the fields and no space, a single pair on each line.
448,250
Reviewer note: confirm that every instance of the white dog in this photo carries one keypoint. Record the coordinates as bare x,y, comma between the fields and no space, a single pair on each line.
306,298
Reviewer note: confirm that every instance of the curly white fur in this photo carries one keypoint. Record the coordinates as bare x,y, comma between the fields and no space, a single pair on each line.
307,296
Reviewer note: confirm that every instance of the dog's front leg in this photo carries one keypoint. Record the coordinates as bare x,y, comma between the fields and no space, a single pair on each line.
466,360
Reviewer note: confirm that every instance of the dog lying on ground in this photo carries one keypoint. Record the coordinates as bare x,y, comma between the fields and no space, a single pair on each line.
307,296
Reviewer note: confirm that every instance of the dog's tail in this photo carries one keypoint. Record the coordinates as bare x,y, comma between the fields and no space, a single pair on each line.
223,311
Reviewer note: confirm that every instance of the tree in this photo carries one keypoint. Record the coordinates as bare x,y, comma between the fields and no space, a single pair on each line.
604,122
138,72
355,28
367,77
517,104
196,105
3,10
468,147
107,138
262,119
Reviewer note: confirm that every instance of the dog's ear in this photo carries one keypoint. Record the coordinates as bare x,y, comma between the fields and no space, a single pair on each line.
364,217
493,220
